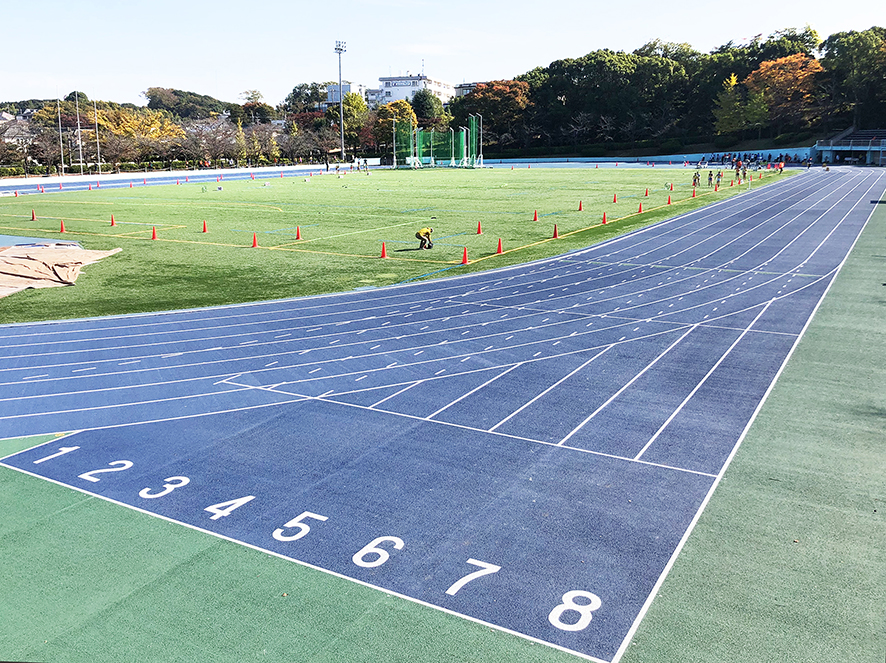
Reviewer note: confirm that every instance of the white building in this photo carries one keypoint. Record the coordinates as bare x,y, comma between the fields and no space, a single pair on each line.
393,88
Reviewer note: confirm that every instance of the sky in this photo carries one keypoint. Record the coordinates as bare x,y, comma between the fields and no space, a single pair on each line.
114,50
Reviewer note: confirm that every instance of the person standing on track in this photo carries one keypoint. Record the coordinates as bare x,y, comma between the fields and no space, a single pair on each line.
424,238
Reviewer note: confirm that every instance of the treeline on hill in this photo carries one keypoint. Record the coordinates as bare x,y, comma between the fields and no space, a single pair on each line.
659,98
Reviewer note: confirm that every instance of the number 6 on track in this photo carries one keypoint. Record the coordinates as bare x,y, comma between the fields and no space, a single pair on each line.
485,569
372,548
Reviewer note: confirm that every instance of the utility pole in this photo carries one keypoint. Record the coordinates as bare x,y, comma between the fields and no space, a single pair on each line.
340,47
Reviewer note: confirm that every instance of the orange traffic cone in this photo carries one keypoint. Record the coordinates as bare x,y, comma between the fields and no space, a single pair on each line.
33,215
716,188
579,206
640,211
556,234
615,197
113,223
731,182
16,194
604,218
384,251
464,257
672,186
90,187
130,185
669,200
479,229
535,216
693,192
153,232
62,229
647,192
254,241
298,232
499,246
204,225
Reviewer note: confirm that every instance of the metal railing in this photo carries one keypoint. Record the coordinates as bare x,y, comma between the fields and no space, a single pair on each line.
874,144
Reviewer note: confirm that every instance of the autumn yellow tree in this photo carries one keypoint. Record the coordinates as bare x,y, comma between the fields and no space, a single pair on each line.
788,89
383,131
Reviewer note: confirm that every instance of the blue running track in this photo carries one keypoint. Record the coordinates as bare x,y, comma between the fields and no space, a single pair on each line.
526,447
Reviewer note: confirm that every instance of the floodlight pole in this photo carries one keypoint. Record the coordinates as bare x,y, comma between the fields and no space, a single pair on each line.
341,47
79,133
98,149
61,148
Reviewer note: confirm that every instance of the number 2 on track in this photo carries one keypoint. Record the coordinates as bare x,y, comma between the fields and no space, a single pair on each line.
122,465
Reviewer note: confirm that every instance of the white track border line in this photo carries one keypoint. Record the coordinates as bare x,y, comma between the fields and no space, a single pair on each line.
305,564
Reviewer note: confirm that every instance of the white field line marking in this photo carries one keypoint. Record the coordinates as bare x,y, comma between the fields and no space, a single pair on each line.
473,391
272,310
396,393
557,383
626,386
227,326
702,381
363,583
645,608
271,342
322,399
111,406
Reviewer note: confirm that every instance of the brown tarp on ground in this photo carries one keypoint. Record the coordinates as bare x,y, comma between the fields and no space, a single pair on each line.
44,265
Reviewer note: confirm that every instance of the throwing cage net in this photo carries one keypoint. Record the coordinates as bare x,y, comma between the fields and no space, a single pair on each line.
415,147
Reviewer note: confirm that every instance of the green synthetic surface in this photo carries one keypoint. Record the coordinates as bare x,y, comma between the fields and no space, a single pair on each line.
342,221
84,580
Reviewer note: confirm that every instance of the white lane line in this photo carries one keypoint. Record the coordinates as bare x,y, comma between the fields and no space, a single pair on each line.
396,393
557,383
472,391
80,370
655,589
625,387
34,377
701,383
126,363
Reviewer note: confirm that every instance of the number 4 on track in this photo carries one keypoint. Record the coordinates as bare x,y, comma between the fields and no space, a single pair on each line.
223,509
485,569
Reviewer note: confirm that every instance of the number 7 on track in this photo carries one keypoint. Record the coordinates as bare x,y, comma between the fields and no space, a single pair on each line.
485,569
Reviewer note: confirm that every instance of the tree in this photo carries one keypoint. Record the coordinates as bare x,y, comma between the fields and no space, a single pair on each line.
857,61
305,97
788,88
727,107
427,105
383,131
240,148
502,105
355,115
74,96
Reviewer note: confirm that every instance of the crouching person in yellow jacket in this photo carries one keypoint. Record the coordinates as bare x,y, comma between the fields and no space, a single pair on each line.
424,238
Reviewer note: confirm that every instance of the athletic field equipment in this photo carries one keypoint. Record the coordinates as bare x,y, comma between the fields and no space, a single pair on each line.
464,257
384,251
415,147
153,232
254,241
556,234
62,228
113,223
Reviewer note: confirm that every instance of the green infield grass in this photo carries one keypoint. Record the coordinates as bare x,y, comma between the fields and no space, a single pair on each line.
326,233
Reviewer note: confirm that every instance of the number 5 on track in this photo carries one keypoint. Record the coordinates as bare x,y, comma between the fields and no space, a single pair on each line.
485,569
